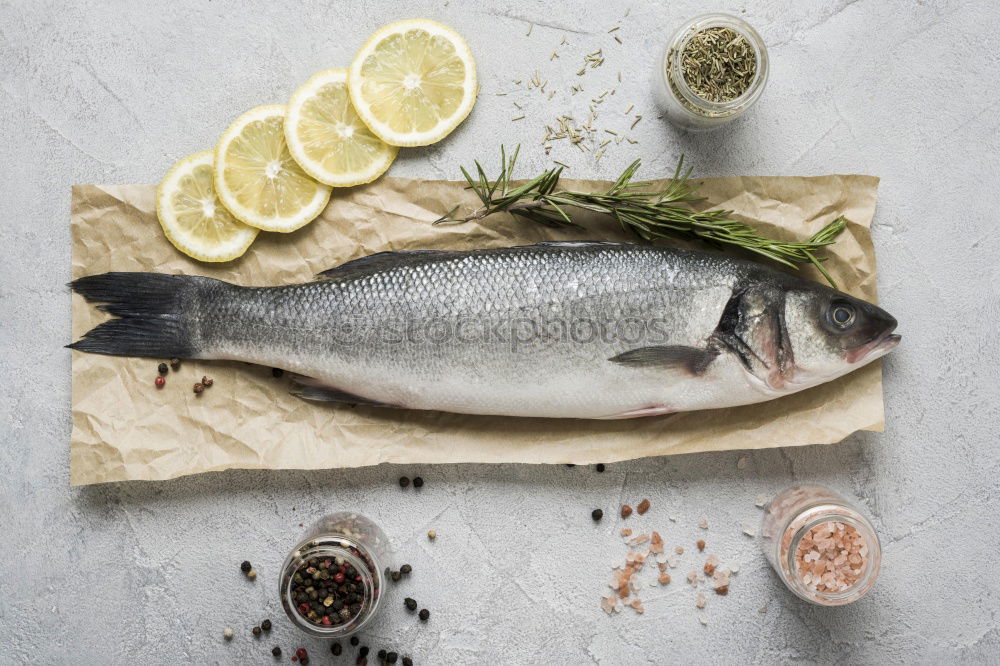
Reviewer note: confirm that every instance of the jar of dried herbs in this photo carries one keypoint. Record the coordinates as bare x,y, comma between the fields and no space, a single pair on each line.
711,72
331,583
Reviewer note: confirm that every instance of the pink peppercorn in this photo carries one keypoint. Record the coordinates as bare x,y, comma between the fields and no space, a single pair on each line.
338,578
159,382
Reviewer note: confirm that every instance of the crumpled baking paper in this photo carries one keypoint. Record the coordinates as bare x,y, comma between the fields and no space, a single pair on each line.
124,428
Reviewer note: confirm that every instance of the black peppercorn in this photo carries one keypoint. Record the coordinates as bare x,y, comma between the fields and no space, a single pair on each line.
354,641
336,648
424,614
276,651
266,625
404,481
381,655
363,652
162,368
395,575
277,372
411,604
245,567
391,657
175,364
600,467
418,482
256,631
407,661
405,569
596,514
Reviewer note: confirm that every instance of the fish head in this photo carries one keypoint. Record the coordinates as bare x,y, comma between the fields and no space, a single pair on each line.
831,333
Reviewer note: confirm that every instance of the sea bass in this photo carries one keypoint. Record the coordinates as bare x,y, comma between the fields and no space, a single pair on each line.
571,329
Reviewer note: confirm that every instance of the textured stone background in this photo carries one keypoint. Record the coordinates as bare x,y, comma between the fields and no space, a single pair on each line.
146,573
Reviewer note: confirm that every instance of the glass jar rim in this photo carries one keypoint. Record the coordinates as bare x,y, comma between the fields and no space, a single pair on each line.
826,513
332,546
679,42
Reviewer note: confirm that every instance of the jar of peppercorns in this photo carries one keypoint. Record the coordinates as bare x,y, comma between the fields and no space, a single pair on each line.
331,583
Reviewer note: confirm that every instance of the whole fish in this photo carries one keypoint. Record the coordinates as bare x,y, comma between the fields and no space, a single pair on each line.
572,329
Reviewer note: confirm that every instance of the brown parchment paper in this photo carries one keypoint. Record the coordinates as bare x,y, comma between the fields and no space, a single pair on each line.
123,428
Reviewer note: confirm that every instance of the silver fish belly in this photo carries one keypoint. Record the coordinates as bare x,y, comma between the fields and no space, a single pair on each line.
577,330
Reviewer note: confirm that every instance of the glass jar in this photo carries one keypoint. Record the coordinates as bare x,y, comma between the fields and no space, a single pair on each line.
341,544
821,547
679,103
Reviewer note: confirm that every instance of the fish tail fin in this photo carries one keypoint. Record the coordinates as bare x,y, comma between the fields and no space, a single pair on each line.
151,308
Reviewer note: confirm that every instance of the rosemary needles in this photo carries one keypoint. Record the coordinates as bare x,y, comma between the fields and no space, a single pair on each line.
648,213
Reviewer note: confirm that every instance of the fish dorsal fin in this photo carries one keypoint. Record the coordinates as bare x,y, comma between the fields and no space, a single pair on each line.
577,244
381,261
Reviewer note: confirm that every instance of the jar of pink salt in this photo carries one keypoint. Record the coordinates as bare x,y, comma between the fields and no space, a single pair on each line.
821,547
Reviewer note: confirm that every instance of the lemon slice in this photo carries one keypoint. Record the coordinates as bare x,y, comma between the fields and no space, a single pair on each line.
257,179
413,82
192,216
328,139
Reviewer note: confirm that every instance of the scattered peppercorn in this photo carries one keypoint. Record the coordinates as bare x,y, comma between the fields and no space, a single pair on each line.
207,381
363,651
266,625
643,507
336,648
395,575
228,633
162,368
277,372
245,567
701,545
355,640
404,481
302,655
255,631
596,514
407,661
424,614
381,655
418,482
252,574
199,387
600,467
411,604
159,382
276,651
175,364
406,569
626,511
391,657
431,534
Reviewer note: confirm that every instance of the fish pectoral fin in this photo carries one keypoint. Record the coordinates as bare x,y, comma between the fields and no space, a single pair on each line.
308,388
691,359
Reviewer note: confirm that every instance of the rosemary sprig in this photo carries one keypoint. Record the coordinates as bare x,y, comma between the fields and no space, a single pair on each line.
646,212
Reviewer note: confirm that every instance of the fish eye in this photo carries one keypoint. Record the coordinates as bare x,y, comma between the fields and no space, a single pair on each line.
842,315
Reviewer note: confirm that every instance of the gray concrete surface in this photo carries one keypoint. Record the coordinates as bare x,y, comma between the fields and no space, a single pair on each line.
147,572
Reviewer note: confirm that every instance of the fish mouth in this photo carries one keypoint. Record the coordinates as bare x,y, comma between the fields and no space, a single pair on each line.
877,348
